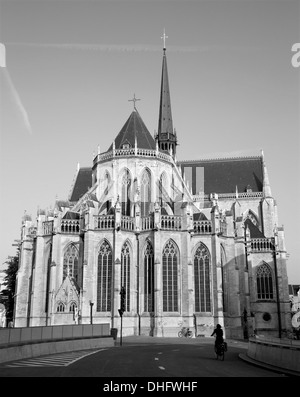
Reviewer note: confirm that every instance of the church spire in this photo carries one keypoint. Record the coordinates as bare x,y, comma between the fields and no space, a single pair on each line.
166,136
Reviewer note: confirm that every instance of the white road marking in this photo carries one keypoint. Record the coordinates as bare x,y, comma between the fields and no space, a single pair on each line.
57,360
162,368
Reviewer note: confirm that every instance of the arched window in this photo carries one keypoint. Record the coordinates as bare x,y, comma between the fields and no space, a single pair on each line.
104,278
264,282
60,307
125,196
125,273
170,277
202,279
70,266
145,193
148,278
72,307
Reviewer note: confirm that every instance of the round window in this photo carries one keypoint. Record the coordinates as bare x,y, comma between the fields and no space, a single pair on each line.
266,316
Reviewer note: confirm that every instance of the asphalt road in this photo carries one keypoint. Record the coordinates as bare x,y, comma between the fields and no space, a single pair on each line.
139,360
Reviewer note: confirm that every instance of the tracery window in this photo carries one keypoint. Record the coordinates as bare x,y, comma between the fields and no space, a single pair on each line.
202,279
72,307
125,273
70,264
264,282
60,307
170,277
148,278
125,196
104,278
145,193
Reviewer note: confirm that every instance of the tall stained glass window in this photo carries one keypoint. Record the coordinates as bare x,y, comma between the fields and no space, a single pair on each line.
148,278
70,264
104,278
170,277
202,279
264,282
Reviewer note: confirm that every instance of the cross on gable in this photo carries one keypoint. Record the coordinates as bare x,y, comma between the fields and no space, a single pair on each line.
133,100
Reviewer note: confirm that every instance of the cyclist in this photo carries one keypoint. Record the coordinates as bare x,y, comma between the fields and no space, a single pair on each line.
219,335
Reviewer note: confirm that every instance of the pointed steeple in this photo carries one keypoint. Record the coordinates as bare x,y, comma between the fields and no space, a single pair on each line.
166,136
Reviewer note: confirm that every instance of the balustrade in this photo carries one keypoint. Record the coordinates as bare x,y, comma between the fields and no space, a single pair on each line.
261,245
171,222
202,227
127,223
147,223
47,227
102,222
70,226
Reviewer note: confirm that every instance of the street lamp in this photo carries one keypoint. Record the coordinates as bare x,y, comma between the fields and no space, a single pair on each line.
91,311
122,308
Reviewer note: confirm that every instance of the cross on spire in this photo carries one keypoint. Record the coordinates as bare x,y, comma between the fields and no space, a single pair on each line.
133,100
164,37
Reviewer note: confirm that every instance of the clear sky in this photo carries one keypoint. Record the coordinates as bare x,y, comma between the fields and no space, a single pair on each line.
72,66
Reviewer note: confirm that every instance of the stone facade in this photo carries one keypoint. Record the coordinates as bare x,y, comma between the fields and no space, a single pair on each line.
185,257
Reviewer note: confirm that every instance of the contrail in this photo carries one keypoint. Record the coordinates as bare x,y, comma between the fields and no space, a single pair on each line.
13,90
17,100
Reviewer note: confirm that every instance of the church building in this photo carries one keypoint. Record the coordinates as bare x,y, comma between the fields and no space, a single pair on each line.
190,243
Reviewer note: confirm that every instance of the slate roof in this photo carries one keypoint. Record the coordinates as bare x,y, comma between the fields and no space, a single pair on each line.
199,216
134,128
225,175
254,231
82,183
71,215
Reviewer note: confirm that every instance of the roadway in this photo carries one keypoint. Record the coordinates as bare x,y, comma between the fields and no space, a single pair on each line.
140,359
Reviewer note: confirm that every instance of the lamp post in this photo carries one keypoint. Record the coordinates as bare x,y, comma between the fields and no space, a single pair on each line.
91,311
122,309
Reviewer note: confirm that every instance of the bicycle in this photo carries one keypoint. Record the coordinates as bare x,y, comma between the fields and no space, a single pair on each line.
185,331
220,350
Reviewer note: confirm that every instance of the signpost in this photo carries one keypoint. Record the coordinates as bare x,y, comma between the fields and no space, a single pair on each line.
122,309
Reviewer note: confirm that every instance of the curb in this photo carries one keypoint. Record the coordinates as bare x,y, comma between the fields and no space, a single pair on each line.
280,370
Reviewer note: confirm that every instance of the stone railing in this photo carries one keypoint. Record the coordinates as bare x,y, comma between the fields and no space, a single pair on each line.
47,228
229,196
102,222
127,223
262,245
147,223
171,222
70,226
133,152
202,227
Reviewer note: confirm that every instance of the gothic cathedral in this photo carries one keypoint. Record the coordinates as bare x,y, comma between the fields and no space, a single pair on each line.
191,243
